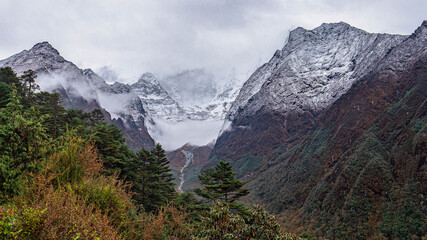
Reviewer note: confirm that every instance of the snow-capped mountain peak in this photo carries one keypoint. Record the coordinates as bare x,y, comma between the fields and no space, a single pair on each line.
314,68
42,57
156,100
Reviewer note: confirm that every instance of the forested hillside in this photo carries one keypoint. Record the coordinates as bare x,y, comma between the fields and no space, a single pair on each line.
67,174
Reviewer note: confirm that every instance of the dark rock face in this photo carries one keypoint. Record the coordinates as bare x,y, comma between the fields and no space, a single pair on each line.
200,159
356,168
261,134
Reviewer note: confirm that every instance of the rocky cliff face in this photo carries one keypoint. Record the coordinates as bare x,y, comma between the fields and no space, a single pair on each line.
192,94
83,89
335,139
186,163
156,99
314,69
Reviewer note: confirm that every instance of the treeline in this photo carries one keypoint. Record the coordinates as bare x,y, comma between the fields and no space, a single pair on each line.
67,174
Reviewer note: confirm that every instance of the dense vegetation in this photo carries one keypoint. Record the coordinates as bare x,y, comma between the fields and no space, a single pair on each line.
66,174
360,173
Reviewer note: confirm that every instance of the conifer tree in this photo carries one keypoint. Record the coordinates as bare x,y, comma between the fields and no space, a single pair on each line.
109,142
8,79
147,182
29,86
96,116
8,76
49,105
220,184
164,172
153,184
5,92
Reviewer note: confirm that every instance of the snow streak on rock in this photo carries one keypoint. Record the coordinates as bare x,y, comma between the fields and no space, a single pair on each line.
188,159
313,69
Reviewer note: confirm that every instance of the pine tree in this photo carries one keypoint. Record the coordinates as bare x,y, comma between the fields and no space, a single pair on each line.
147,182
164,172
109,142
49,105
5,92
8,76
220,184
8,79
96,116
29,86
153,184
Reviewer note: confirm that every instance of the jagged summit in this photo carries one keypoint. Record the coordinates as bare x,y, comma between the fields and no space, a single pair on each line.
313,69
147,79
156,100
88,71
46,52
337,26
148,82
42,57
421,29
302,34
148,76
44,46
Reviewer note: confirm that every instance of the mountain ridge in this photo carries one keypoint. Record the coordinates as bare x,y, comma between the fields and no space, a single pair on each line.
314,68
81,89
350,168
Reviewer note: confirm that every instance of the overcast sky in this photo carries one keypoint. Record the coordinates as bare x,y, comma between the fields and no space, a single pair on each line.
131,37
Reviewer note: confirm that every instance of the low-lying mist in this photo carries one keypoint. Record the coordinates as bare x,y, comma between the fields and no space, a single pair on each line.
172,135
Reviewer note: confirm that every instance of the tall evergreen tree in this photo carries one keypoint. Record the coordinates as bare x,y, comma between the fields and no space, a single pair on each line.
147,182
111,146
154,184
96,116
164,172
8,79
220,184
8,76
5,94
49,105
29,86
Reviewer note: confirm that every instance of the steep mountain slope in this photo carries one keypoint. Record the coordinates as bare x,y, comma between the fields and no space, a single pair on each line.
83,89
346,161
156,99
281,100
186,164
44,60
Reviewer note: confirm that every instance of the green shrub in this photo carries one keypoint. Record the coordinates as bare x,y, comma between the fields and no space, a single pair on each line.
21,224
219,223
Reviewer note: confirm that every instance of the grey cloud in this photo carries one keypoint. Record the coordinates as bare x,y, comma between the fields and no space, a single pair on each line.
221,14
108,74
170,36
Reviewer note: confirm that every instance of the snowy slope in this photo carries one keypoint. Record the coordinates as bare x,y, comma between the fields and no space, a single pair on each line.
157,101
199,94
313,69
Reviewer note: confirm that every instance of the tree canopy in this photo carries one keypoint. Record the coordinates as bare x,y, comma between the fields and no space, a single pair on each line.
67,174
220,184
